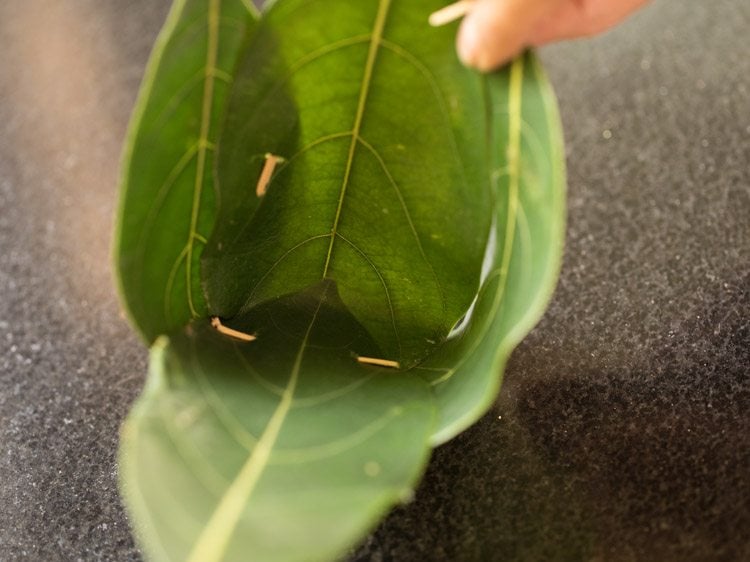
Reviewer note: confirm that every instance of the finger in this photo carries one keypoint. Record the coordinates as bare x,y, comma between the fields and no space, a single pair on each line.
581,18
496,30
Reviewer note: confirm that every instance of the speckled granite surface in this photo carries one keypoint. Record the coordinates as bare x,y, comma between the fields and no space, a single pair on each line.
623,428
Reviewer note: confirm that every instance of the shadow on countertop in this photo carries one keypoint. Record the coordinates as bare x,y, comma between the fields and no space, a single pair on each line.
600,465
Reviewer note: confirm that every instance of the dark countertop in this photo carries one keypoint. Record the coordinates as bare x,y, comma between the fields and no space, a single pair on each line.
622,431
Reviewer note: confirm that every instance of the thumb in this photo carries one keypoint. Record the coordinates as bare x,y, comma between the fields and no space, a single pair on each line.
497,30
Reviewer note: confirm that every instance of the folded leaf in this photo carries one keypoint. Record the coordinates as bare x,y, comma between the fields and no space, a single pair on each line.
384,185
378,204
523,257
168,204
285,448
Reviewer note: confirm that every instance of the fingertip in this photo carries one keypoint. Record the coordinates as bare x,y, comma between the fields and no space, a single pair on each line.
473,50
492,34
467,45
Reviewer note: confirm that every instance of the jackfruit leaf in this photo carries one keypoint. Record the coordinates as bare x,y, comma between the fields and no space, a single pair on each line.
285,448
384,182
167,204
413,212
523,255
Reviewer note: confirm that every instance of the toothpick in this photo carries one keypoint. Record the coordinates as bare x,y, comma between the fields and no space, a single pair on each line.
379,362
216,323
451,13
266,173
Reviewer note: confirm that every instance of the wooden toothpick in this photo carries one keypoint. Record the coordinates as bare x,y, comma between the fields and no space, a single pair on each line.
379,362
222,329
267,173
451,13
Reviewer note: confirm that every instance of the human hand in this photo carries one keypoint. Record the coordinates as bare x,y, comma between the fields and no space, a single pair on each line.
494,31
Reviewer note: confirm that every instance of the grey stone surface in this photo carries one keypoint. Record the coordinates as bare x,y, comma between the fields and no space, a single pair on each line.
622,431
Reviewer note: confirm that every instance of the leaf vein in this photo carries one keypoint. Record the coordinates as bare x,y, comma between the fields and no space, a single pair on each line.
514,144
213,541
212,49
405,208
391,308
318,452
296,67
249,300
322,398
400,51
260,379
372,53
234,427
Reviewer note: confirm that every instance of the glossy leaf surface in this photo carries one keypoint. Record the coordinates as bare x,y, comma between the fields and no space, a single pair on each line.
384,185
168,205
524,253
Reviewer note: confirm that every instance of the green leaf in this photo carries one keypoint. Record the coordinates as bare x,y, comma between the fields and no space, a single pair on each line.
389,186
285,448
417,216
385,185
524,254
167,207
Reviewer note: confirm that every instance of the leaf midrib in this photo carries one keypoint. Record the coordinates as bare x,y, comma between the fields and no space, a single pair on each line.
514,170
212,49
213,541
377,35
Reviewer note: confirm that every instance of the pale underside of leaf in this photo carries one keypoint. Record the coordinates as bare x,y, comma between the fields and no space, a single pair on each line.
211,545
188,409
471,364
